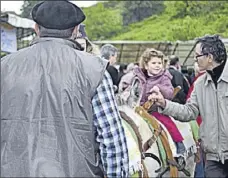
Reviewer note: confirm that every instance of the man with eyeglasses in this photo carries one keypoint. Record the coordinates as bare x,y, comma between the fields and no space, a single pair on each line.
209,99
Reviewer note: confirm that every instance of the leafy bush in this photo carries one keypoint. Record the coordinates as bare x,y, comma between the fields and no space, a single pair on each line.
152,20
102,23
181,21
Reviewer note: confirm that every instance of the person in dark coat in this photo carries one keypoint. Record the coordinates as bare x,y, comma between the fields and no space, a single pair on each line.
122,72
178,80
109,52
114,75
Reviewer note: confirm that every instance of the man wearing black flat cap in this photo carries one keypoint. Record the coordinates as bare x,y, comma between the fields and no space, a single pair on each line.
59,117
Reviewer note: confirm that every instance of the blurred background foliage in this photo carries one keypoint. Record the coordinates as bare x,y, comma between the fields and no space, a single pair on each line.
152,20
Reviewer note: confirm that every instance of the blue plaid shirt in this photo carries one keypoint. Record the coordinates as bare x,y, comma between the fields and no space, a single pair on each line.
110,132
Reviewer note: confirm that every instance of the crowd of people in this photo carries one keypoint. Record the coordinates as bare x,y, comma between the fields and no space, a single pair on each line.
59,116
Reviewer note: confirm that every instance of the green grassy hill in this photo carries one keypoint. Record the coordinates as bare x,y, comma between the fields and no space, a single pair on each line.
180,20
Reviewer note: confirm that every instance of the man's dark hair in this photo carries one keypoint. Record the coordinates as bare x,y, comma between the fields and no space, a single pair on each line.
212,44
122,67
190,71
108,50
173,60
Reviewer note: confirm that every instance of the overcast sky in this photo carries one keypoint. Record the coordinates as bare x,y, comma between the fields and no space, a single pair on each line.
16,5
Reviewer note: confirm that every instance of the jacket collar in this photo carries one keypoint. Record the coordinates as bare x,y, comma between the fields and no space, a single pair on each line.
172,67
224,75
68,42
208,79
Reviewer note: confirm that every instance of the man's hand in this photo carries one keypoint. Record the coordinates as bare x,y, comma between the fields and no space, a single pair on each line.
157,98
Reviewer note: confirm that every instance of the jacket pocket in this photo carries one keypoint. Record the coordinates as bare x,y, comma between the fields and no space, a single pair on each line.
226,94
224,101
225,97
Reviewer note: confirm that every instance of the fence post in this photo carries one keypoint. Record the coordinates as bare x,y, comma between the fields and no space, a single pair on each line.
136,59
121,50
175,48
189,54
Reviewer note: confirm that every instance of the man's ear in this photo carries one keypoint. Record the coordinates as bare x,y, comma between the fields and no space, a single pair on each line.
37,29
76,29
210,57
74,33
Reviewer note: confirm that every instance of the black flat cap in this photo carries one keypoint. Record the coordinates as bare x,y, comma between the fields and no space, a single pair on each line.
59,15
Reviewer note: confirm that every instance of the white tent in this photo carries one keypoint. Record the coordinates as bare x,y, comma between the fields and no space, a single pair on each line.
13,30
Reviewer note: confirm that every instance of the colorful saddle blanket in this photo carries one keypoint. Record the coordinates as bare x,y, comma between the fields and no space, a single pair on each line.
187,133
133,149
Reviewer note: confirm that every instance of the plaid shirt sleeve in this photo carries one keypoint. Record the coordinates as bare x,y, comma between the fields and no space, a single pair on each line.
110,132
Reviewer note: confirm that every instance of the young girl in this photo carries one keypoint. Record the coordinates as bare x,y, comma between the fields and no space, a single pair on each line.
153,76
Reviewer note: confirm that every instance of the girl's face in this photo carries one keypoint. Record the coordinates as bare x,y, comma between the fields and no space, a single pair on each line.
154,66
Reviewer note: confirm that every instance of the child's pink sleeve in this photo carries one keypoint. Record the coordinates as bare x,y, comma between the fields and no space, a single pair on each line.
166,88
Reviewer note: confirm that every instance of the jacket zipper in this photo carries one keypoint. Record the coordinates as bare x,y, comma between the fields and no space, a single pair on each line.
219,152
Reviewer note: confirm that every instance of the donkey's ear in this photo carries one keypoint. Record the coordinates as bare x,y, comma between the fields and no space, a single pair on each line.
136,87
135,82
135,93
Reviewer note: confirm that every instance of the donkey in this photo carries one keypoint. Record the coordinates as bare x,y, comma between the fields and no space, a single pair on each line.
153,165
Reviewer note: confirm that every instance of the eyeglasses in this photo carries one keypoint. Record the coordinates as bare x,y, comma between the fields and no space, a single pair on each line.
200,55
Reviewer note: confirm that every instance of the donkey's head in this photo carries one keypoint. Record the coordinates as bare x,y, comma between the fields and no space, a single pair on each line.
131,96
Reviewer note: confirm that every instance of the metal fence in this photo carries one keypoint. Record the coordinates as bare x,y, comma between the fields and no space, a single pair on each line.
130,51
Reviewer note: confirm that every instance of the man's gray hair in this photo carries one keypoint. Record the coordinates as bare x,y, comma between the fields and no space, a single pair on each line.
45,32
108,50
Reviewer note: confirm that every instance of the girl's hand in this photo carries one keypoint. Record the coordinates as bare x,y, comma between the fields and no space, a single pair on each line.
158,99
155,89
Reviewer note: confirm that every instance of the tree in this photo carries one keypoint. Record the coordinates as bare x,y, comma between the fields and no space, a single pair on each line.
135,11
27,8
102,23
